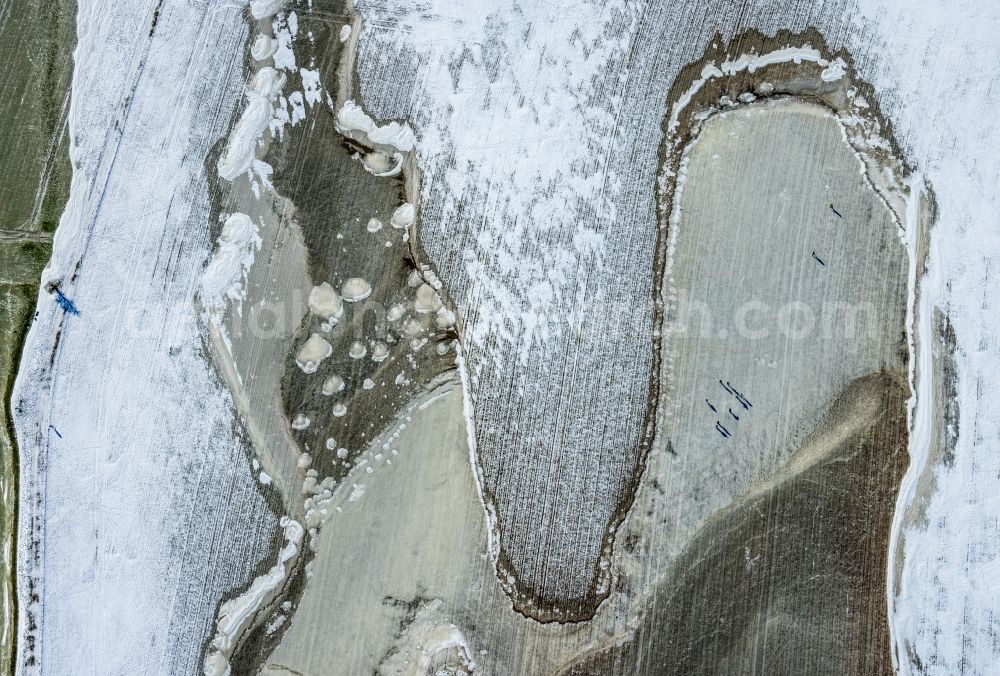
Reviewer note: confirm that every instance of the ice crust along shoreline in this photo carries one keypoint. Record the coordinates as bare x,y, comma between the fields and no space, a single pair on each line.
226,273
236,614
241,149
352,119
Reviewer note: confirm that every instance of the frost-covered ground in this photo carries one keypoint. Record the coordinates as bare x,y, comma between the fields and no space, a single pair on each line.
137,507
526,206
937,68
538,130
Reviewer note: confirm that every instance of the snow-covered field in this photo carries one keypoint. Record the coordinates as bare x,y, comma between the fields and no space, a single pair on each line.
538,130
138,509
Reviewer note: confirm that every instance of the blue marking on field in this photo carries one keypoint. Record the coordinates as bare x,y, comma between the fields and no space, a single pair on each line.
65,303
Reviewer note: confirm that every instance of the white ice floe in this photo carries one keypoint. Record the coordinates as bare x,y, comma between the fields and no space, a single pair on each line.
312,353
445,318
834,71
296,108
284,34
382,164
226,273
241,148
311,87
260,177
427,299
324,301
428,641
262,9
380,352
403,217
333,384
396,312
355,289
354,121
263,47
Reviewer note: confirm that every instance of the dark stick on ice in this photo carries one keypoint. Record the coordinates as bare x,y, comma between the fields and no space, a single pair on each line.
739,396
744,402
53,428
